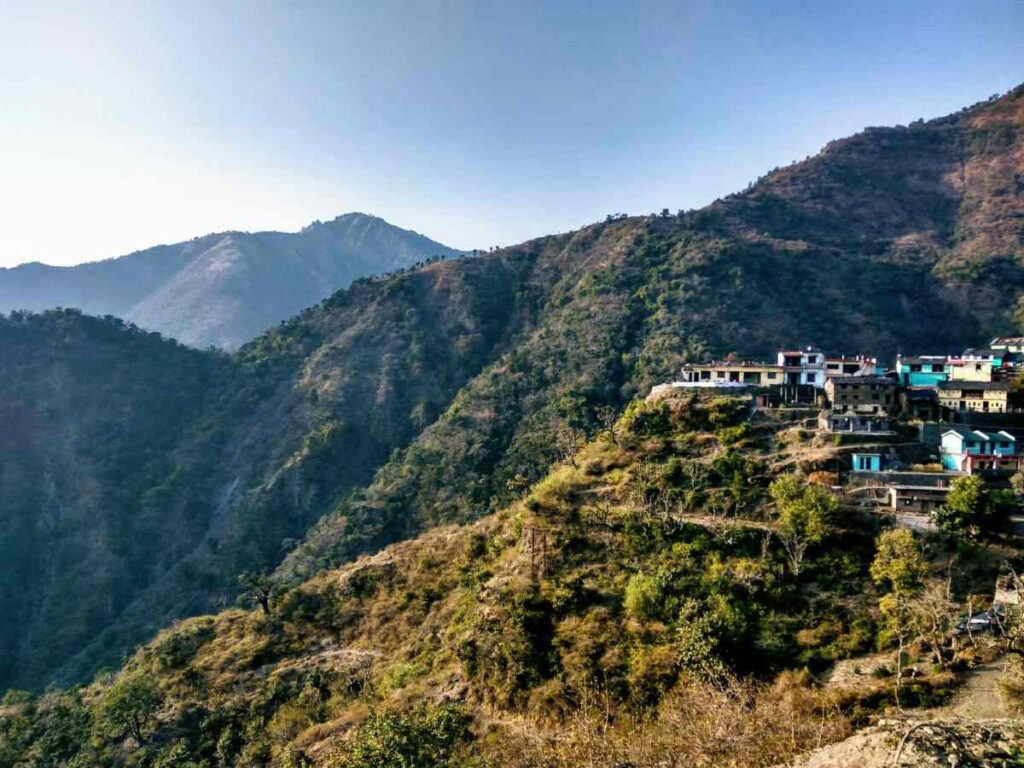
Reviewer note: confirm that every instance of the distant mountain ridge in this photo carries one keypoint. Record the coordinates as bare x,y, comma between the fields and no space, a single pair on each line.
222,289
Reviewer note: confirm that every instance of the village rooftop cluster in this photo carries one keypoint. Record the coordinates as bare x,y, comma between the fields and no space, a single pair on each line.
962,412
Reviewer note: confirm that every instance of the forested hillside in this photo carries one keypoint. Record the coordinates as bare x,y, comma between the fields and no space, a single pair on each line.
670,594
438,394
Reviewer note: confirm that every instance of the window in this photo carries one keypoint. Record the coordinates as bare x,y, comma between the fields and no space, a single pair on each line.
811,378
772,375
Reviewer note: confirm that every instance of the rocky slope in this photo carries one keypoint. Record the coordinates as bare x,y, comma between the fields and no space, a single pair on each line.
223,289
436,395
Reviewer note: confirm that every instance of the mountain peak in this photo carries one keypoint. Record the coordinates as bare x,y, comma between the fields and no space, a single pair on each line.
202,295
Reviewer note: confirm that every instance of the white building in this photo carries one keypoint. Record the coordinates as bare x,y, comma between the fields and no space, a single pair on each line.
806,366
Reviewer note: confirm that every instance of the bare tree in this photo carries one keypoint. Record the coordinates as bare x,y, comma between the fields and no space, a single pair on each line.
607,416
568,441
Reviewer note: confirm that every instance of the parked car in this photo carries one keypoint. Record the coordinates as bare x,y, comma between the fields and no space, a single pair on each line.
982,621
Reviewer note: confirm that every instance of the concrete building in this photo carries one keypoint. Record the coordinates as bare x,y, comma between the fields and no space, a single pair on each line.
1010,344
923,499
726,371
974,368
976,396
974,450
921,370
862,395
830,421
852,366
806,366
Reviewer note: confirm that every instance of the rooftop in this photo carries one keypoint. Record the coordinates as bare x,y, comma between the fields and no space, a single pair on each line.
967,433
844,380
731,364
999,386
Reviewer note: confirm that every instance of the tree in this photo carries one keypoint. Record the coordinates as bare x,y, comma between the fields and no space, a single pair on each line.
607,416
568,441
128,706
898,561
805,513
259,588
970,510
900,565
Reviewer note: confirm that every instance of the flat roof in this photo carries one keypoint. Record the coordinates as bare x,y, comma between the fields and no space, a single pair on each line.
731,364
862,380
1003,386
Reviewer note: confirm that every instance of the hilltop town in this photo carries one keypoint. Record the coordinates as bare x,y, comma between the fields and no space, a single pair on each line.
910,428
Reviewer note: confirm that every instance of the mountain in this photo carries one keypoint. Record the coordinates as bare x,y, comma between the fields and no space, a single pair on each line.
222,290
438,394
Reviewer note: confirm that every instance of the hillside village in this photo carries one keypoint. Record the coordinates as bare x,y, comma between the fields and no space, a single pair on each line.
907,430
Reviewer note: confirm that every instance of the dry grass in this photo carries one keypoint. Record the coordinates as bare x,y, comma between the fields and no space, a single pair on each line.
698,724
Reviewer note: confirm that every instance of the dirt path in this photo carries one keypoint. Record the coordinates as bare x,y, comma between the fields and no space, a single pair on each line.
721,523
978,698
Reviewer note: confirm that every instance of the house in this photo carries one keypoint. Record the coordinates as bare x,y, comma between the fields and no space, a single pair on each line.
996,356
875,460
920,403
862,395
805,366
830,421
973,450
977,396
728,371
1011,344
923,499
969,369
921,370
858,404
851,366
866,462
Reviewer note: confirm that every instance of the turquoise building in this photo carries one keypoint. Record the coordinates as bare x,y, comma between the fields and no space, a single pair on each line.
965,449
922,371
867,462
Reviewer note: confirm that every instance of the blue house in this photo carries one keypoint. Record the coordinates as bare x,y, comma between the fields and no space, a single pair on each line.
867,462
922,370
967,450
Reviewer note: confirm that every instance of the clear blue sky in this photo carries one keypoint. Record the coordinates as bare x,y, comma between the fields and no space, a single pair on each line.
124,125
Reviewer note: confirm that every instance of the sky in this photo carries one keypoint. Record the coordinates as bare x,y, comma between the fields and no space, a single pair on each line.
125,125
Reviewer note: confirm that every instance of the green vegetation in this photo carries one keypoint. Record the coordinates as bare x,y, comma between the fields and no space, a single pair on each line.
602,583
972,511
614,598
443,394
805,515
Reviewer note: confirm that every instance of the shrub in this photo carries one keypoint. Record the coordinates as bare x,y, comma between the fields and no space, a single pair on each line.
128,706
426,737
643,597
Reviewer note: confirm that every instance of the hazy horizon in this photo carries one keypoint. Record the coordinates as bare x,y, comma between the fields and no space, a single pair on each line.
473,124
